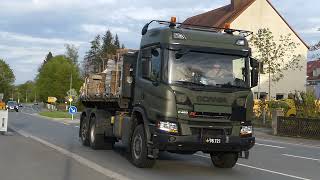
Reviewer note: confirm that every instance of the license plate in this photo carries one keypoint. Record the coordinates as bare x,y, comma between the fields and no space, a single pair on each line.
212,140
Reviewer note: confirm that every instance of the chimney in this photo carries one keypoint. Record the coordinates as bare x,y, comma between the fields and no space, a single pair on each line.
236,3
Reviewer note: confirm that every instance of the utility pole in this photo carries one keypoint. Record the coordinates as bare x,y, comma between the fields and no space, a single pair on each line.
26,96
70,98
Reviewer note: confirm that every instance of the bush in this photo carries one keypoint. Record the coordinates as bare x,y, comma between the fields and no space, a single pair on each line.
307,104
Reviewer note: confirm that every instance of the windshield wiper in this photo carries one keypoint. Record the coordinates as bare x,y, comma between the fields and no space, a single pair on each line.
189,83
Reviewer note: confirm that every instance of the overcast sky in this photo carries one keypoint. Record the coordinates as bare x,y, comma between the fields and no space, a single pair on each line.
29,29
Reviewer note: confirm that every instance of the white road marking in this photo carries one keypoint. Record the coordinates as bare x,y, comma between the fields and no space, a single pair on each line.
268,145
262,169
301,157
295,144
77,127
109,173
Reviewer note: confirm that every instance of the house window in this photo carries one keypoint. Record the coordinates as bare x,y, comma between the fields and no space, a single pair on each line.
279,96
151,64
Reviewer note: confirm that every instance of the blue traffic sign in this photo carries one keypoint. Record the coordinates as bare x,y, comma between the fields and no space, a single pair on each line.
73,110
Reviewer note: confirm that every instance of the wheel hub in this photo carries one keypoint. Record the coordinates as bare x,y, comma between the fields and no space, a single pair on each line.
137,146
84,131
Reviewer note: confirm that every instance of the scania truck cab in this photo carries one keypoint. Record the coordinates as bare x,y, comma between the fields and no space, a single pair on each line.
187,89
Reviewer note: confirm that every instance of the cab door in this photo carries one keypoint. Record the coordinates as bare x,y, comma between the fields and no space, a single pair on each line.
150,92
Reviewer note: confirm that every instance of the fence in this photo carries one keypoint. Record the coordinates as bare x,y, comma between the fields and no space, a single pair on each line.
298,127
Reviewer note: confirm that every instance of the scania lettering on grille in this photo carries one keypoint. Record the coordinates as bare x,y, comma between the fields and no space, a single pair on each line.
211,99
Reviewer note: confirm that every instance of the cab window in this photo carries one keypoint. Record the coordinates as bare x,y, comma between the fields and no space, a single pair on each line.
151,64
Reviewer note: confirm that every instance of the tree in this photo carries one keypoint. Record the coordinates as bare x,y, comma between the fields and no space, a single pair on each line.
277,56
54,78
47,59
26,92
92,58
122,46
108,46
72,53
117,42
7,79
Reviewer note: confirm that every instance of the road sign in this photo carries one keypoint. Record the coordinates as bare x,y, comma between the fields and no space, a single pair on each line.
52,99
70,99
73,110
3,120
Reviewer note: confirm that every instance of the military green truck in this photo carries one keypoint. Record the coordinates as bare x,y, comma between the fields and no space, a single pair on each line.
187,89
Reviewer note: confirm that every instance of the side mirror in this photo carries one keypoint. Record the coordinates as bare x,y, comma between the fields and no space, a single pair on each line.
145,29
254,77
155,52
254,63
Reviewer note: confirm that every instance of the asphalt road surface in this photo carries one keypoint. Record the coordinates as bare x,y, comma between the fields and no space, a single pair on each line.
274,158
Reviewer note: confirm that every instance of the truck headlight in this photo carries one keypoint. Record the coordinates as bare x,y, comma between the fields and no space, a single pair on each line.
246,131
168,126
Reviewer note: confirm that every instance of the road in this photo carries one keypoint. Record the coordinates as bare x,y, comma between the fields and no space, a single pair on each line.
269,159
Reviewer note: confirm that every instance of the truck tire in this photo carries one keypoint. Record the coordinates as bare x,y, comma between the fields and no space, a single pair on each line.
139,149
224,160
84,131
97,141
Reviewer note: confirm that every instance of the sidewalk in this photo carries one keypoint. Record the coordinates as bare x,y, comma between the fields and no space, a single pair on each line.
266,134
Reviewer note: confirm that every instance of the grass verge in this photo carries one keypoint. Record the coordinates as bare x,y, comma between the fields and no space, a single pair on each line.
55,114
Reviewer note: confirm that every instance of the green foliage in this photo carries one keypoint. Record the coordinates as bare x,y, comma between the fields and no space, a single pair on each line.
26,92
72,53
306,105
92,58
275,54
49,57
7,79
46,60
108,46
54,78
275,104
100,50
117,42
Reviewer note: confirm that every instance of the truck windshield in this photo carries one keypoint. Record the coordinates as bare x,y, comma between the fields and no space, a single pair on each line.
206,69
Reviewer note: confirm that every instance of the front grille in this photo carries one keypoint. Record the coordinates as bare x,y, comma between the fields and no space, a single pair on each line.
210,115
211,132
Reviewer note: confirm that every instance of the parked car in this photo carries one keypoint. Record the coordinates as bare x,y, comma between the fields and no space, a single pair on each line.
12,105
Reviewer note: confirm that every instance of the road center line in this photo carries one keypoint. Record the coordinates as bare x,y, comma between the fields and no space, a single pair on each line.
109,173
301,157
262,169
268,145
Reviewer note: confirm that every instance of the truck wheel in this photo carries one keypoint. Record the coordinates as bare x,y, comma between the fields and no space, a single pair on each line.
96,140
84,131
224,160
139,150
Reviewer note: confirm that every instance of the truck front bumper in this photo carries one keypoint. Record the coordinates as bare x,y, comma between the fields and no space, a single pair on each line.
169,142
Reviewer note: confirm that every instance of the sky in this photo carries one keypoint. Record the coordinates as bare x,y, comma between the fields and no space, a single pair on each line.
29,29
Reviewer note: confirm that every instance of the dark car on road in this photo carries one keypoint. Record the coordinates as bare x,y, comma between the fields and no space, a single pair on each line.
12,106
